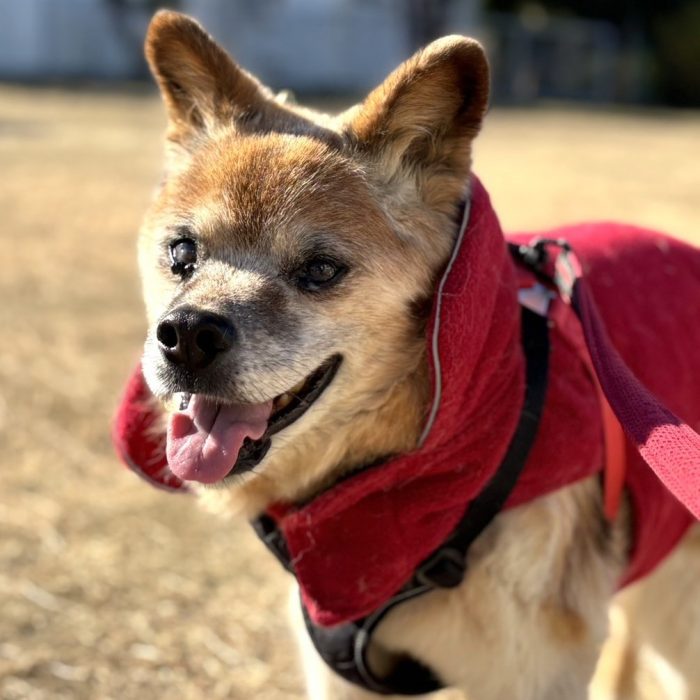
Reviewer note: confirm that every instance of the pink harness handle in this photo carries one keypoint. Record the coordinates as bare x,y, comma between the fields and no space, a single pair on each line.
666,443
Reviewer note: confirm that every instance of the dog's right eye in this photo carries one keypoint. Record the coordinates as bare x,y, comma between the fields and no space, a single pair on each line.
319,273
183,256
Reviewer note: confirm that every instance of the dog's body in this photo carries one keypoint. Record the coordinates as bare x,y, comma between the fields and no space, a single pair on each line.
293,253
514,630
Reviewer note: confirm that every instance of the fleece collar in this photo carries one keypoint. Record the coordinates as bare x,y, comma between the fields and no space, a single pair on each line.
355,545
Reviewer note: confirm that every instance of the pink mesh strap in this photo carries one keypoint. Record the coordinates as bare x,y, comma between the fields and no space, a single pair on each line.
666,443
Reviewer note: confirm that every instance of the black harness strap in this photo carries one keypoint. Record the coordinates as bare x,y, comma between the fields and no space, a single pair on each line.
345,647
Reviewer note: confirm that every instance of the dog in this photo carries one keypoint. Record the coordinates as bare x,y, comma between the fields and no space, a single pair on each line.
290,262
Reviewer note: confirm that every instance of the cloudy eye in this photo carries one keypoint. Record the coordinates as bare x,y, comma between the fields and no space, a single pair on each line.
183,256
319,273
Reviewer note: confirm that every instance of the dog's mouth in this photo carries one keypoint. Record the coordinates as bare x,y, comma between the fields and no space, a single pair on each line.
208,440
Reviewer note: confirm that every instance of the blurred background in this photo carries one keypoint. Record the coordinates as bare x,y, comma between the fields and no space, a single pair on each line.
109,588
631,51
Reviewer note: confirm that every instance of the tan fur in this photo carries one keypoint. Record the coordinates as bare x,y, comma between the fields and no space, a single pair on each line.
654,647
261,181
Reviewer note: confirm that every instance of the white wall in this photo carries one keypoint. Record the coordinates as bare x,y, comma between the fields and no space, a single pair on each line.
65,38
316,45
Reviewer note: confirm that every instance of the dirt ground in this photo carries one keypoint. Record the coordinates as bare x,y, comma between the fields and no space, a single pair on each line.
111,589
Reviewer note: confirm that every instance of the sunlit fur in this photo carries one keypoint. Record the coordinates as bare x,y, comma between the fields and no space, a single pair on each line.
263,183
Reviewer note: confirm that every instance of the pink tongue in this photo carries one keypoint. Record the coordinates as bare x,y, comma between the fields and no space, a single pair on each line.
204,440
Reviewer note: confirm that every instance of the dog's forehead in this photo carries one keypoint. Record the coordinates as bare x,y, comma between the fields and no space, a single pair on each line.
253,187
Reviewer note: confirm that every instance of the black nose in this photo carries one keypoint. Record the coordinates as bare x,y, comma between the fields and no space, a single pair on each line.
193,338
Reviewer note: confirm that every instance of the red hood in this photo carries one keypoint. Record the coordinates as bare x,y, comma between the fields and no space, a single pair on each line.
344,568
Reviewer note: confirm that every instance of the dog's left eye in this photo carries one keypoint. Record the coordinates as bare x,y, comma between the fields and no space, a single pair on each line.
183,256
319,273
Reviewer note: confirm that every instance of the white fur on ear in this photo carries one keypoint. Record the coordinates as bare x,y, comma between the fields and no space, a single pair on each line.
286,97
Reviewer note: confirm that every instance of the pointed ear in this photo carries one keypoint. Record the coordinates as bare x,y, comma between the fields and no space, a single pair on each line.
200,84
424,116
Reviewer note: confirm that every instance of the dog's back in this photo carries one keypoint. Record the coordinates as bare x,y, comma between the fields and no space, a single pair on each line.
646,287
645,284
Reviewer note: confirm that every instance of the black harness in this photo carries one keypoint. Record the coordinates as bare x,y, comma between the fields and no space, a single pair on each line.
344,648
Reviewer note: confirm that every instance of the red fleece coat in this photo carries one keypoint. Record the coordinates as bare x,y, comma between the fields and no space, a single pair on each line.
358,543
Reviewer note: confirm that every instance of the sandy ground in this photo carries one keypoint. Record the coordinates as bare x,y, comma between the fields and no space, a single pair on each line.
108,588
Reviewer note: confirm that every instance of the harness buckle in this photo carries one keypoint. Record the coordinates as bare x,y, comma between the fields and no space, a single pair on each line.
443,569
536,298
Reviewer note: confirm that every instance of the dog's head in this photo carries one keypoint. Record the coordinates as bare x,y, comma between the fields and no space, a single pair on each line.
289,258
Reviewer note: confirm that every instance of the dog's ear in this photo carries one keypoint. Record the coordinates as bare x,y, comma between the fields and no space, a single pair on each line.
200,84
422,119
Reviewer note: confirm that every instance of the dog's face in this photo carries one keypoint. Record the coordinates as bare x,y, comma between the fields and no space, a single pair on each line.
289,257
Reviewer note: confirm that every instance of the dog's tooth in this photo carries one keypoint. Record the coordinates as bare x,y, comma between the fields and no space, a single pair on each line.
185,400
283,400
